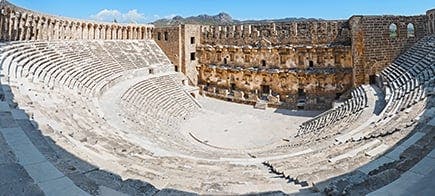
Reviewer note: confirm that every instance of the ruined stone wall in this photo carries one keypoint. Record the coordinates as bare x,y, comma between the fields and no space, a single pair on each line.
373,45
320,72
169,40
431,21
190,39
178,43
17,24
318,88
278,57
283,33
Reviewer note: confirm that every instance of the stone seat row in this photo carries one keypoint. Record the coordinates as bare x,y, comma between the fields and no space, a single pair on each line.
158,101
75,64
332,117
325,163
408,82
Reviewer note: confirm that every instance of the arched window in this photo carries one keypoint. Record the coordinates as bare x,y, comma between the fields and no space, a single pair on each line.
410,30
159,36
166,36
393,30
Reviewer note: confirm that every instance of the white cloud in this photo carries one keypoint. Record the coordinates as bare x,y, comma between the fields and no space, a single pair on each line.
131,16
107,15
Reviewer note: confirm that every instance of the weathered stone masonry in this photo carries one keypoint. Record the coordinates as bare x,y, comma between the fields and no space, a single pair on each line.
179,43
306,32
290,64
364,44
372,46
314,75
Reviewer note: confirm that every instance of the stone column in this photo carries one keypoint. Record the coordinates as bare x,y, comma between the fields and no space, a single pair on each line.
134,33
124,33
84,31
33,26
14,27
49,29
44,30
39,28
25,28
2,12
90,28
55,30
103,32
20,30
121,32
6,27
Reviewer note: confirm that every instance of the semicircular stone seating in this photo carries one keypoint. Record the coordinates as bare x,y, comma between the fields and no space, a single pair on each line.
56,87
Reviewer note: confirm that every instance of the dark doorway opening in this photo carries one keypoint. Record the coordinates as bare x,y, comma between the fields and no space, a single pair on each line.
301,92
311,64
265,89
233,86
263,63
225,61
337,96
372,79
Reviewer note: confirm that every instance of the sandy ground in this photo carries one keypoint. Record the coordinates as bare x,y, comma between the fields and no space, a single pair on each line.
237,126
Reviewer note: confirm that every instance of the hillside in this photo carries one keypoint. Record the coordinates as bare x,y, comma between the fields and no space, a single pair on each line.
219,19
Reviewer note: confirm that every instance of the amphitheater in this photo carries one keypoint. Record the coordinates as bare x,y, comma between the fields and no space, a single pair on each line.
317,107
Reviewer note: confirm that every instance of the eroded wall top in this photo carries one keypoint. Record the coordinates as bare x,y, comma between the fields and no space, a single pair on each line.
311,32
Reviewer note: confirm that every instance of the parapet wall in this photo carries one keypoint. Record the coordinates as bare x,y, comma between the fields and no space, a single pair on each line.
17,24
375,43
283,33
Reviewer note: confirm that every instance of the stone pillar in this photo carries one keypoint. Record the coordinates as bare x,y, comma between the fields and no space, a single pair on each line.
25,28
85,31
20,27
90,28
114,32
49,30
145,33
33,27
96,31
2,12
124,33
6,26
108,32
102,32
134,33
45,29
28,28
14,31
54,31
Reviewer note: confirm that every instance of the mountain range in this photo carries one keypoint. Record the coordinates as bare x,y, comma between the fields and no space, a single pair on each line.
219,19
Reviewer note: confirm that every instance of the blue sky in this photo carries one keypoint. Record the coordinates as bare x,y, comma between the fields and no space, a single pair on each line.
141,11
